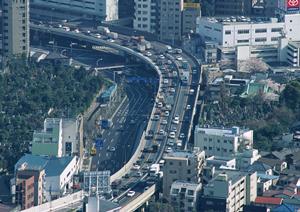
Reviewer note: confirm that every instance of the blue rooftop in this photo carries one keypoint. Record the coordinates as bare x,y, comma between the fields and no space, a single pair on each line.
109,91
53,165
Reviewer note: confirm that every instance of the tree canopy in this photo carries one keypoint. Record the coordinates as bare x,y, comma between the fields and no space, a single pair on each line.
27,92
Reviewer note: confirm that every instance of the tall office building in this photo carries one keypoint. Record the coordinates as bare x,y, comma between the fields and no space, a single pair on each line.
15,27
230,7
171,20
68,9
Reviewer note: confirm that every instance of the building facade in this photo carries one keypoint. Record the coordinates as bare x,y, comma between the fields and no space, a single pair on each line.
222,142
106,10
229,191
293,53
241,38
171,20
184,195
25,191
29,183
185,166
59,137
146,15
232,7
190,13
15,16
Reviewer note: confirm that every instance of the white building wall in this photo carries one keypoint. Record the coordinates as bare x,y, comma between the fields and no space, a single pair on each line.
67,175
142,20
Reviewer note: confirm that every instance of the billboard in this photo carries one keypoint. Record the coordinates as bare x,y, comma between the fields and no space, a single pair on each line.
293,5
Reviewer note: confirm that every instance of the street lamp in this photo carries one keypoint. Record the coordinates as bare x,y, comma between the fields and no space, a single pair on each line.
71,45
97,62
52,42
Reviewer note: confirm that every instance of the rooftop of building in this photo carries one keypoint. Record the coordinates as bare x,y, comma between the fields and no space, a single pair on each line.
184,184
234,131
268,200
179,154
231,20
53,166
226,176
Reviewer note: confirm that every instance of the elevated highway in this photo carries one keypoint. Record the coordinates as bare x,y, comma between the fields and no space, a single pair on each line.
171,88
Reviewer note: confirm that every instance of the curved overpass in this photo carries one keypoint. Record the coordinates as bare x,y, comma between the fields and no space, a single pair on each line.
180,100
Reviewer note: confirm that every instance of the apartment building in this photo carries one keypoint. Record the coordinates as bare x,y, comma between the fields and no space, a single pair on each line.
25,191
293,53
59,137
15,25
146,15
106,10
229,191
28,185
222,142
171,20
241,38
185,166
184,195
53,175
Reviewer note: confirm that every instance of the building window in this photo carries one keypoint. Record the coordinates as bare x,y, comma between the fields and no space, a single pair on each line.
243,31
274,39
243,41
227,32
260,30
260,39
276,29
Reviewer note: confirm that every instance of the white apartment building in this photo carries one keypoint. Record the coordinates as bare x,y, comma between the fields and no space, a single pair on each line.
67,9
241,38
185,166
15,15
59,137
222,142
184,195
293,53
146,15
229,191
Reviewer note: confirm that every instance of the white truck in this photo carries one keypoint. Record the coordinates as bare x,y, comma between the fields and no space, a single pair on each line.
103,30
112,35
154,170
141,47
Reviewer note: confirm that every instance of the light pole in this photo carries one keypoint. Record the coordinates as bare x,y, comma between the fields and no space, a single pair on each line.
71,45
97,62
52,42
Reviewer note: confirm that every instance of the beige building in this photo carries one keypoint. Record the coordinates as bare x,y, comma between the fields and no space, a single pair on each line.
170,20
185,166
184,195
222,142
229,191
15,27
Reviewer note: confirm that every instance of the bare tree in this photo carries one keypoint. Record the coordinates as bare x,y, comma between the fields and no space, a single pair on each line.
253,65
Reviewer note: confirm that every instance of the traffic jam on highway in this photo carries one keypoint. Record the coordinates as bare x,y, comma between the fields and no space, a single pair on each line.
170,124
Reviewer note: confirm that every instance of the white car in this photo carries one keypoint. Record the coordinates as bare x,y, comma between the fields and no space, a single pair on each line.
131,193
182,135
76,31
148,54
164,122
167,113
161,132
172,90
166,81
188,107
161,56
169,149
172,135
179,58
136,167
159,105
156,117
97,35
175,120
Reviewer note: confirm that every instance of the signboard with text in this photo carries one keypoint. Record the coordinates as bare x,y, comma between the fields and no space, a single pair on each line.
293,5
